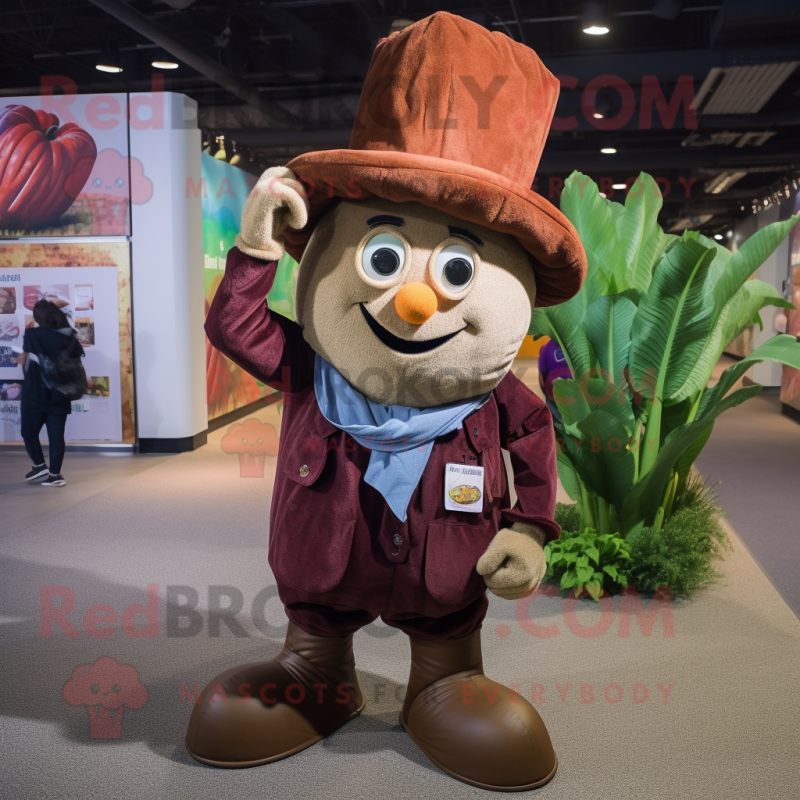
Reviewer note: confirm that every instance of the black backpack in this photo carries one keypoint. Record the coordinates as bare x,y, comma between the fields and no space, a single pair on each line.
63,375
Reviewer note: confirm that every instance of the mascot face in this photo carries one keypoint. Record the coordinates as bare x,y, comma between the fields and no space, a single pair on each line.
413,306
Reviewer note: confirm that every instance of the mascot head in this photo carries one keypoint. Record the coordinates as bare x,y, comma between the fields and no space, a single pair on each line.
426,250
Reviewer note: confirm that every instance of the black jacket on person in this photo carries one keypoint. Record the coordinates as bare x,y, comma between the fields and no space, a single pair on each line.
36,397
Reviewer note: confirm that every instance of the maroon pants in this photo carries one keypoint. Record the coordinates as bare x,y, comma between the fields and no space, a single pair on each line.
324,620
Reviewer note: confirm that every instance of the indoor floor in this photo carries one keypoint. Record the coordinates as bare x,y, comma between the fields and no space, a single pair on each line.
689,699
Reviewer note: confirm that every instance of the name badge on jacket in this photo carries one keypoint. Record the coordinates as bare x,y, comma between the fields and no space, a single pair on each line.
463,488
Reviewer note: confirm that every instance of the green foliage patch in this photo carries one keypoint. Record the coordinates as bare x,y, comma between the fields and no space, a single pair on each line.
588,560
680,554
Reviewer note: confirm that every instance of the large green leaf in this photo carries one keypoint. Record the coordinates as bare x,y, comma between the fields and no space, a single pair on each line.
608,323
601,457
643,500
568,475
690,454
740,313
739,266
577,398
563,323
672,316
782,348
669,328
572,405
638,231
645,497
744,308
736,302
674,416
594,219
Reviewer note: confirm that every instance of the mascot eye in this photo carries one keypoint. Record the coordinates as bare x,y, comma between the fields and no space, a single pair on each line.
116,688
97,182
383,257
94,688
119,183
454,268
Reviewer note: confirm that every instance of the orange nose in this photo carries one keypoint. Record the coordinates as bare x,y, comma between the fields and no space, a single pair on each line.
415,303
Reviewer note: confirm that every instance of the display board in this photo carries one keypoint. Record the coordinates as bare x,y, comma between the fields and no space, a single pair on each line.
71,174
91,283
790,377
225,189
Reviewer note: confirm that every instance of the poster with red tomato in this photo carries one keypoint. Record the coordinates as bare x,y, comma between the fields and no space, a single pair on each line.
65,168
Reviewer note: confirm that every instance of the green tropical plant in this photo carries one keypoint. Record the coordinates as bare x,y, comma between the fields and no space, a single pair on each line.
587,560
642,338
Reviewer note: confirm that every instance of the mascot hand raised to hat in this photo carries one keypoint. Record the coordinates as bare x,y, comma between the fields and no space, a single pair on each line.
422,253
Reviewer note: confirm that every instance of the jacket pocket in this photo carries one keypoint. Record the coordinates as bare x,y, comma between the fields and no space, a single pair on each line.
452,551
310,552
304,460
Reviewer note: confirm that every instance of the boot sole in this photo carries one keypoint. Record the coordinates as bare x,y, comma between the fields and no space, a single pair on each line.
258,762
470,781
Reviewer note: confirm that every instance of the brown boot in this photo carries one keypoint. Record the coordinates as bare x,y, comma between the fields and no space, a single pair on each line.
471,727
263,712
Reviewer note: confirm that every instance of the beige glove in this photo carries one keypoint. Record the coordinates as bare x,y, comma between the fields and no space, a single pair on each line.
277,202
514,562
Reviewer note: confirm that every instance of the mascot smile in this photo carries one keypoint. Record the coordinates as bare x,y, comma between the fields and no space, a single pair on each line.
422,254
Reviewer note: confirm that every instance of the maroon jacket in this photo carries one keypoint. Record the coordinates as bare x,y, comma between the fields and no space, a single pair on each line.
326,522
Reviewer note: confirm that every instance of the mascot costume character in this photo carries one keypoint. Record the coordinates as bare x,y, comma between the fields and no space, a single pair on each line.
422,253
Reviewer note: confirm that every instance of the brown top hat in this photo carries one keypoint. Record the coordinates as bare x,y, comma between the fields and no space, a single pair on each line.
455,117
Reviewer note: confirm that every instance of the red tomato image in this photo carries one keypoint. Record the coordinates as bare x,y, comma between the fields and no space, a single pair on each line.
43,166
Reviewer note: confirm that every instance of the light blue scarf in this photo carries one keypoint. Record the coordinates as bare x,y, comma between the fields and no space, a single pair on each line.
400,438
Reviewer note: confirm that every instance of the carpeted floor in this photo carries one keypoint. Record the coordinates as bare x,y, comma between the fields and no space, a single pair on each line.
754,454
701,702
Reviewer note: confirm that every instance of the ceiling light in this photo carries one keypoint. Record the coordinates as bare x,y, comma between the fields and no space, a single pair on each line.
165,64
619,186
609,151
718,237
109,60
593,20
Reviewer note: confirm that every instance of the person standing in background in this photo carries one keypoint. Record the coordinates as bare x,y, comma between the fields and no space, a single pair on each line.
40,406
552,365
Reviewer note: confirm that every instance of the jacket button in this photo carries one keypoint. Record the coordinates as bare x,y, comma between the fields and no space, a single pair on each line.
398,540
475,430
304,471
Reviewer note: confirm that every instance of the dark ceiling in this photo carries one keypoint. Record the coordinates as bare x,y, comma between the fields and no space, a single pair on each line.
283,77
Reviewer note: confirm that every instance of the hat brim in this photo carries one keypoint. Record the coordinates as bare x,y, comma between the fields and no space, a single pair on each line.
469,193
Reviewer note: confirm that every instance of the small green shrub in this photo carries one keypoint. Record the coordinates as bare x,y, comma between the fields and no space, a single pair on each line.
682,553
588,561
